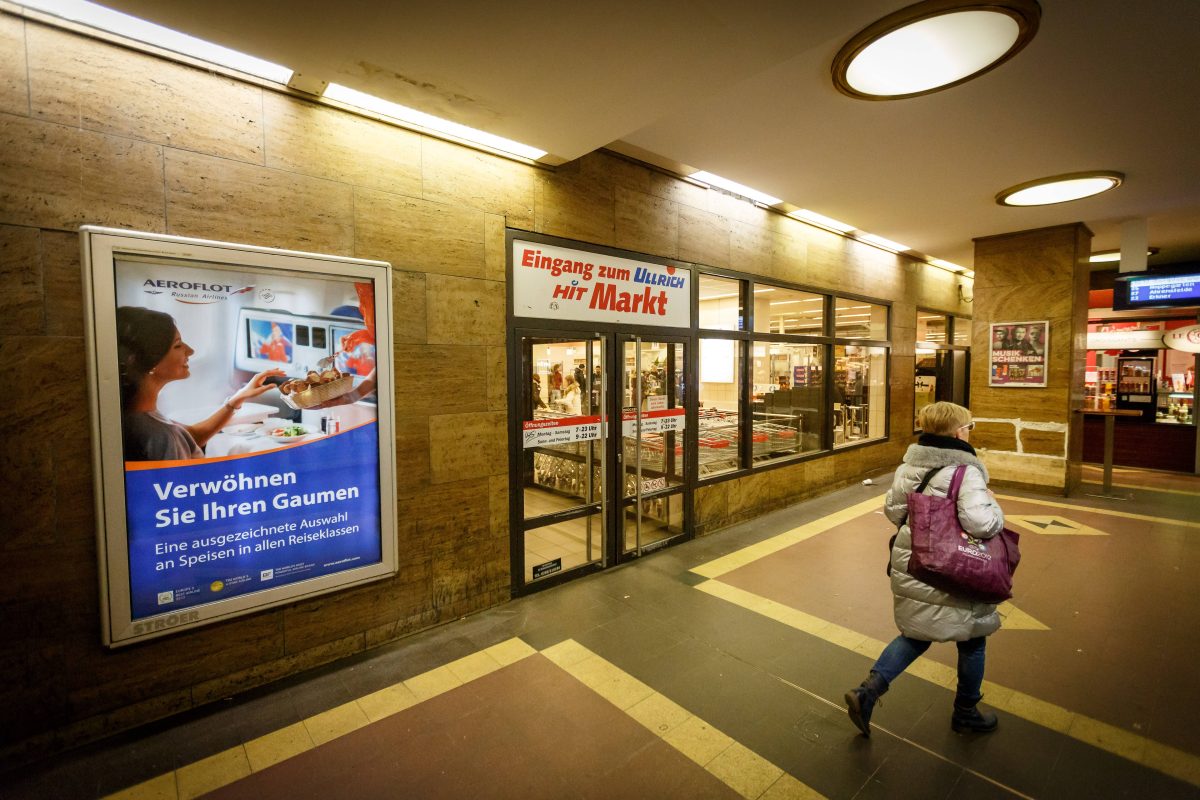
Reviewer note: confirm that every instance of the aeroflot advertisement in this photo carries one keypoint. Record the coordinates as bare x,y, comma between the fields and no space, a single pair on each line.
249,432
556,283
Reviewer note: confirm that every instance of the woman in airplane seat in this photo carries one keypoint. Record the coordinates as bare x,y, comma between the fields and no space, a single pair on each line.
151,354
925,614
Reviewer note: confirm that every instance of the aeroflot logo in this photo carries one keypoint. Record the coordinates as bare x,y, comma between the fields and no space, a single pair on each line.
193,292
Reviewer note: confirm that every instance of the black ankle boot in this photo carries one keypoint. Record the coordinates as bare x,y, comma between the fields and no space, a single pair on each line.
860,702
969,719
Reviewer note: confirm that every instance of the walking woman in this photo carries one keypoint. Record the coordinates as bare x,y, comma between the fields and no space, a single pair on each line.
925,614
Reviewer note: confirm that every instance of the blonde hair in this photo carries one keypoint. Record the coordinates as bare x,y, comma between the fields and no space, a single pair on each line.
942,418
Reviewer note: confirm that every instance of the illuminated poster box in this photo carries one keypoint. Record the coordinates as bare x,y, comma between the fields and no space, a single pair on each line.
227,481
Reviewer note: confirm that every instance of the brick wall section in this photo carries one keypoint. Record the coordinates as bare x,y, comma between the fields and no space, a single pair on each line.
97,134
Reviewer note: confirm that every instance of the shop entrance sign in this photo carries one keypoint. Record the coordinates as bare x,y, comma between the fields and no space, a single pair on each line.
242,427
557,283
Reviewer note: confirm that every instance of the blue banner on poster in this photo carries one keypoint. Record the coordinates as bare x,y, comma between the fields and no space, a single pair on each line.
207,531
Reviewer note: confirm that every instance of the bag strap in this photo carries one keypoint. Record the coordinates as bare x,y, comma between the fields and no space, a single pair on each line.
925,481
956,482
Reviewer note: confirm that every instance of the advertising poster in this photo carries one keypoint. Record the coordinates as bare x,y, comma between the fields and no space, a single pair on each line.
241,430
1019,354
557,283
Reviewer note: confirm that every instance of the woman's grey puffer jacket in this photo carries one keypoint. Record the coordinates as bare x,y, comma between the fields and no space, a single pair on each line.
923,612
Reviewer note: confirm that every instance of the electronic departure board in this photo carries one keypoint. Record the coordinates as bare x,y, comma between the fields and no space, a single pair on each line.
1149,290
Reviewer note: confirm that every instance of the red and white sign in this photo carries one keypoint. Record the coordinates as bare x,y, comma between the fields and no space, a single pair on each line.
564,430
1185,339
669,419
556,283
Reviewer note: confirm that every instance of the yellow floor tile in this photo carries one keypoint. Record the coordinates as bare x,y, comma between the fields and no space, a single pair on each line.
698,740
278,746
1173,762
567,652
1108,737
614,685
510,651
746,772
329,725
385,702
160,788
476,665
788,788
212,773
432,683
658,714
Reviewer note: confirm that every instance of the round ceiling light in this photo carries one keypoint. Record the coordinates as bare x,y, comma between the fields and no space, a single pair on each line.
933,45
1059,188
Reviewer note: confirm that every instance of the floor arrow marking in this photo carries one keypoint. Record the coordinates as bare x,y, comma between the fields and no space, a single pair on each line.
1052,525
1017,620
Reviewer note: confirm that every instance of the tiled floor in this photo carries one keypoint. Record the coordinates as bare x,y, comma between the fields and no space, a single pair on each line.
716,669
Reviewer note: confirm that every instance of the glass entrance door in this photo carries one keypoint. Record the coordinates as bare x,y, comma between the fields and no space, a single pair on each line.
651,457
561,503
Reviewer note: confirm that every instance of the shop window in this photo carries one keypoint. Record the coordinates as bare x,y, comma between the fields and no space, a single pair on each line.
931,327
962,331
779,310
788,399
859,393
856,319
720,303
720,406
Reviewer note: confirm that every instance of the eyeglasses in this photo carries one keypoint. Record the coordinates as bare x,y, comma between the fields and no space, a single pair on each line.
970,426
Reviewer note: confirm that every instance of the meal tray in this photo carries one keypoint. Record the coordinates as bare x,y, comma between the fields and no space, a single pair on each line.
317,395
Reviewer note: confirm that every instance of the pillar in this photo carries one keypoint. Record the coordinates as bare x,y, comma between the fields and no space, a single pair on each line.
1032,437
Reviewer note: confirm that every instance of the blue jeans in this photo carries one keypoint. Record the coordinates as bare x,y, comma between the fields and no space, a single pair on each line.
903,651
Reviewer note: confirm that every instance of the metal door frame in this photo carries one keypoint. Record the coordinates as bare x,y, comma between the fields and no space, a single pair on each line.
616,447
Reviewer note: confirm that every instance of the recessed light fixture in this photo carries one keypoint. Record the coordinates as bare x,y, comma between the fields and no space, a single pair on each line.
1105,256
933,45
879,241
735,187
1060,188
105,19
949,266
804,215
410,116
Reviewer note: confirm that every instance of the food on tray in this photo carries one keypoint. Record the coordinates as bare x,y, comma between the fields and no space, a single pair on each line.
316,388
289,431
311,380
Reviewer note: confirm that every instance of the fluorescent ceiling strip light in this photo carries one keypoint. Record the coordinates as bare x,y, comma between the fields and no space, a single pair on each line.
879,241
105,19
804,215
353,97
736,188
948,265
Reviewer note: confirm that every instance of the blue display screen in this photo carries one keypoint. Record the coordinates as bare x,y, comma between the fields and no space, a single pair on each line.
1165,289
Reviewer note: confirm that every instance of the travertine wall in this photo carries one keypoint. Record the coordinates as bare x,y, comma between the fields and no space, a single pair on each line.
94,133
1029,436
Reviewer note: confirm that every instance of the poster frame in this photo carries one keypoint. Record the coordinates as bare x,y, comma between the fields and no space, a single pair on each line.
100,249
1045,356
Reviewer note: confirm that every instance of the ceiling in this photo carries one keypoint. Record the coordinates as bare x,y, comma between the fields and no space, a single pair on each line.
744,91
